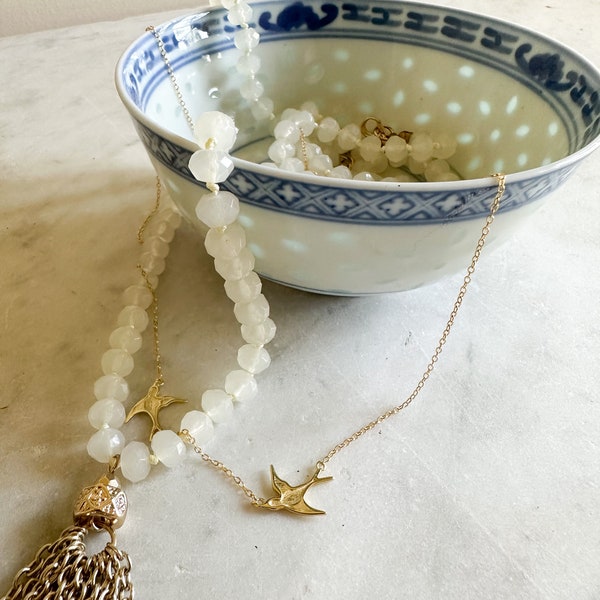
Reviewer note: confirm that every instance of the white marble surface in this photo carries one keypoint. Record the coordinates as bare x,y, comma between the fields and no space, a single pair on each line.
487,487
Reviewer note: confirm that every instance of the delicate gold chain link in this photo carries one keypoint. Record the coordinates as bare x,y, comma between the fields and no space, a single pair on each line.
172,77
442,341
151,214
189,439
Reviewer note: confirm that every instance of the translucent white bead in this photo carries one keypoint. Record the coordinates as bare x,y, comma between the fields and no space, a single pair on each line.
245,289
340,172
252,89
308,150
320,164
217,405
133,316
396,150
310,107
160,229
421,146
348,137
239,13
210,166
170,216
281,149
253,359
199,425
253,312
227,243
246,39
117,361
214,129
137,295
370,147
152,264
228,4
327,130
262,108
259,334
105,444
444,146
287,130
106,413
218,209
135,461
293,165
435,169
305,121
237,267
111,386
241,385
364,176
416,167
248,64
126,338
157,247
168,447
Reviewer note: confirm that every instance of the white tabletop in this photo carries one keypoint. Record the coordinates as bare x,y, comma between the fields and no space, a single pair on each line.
486,487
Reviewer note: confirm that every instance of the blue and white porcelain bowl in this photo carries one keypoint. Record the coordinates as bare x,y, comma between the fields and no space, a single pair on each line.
515,101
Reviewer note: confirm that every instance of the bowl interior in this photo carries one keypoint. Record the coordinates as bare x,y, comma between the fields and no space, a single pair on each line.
514,100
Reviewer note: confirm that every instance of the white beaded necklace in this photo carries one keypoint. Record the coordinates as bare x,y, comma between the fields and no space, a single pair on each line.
63,569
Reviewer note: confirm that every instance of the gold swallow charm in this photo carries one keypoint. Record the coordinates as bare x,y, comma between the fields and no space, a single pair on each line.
291,498
151,404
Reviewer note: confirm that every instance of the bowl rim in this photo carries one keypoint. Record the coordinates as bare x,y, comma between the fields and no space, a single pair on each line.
374,186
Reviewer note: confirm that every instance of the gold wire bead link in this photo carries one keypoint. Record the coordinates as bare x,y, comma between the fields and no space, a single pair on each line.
219,466
373,126
321,464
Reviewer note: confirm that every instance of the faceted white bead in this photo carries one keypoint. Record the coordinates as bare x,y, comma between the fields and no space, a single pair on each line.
160,229
281,149
421,146
210,166
106,413
416,167
246,39
253,359
444,146
137,295
168,447
340,172
157,247
262,108
237,267
245,289
396,150
241,385
105,444
152,264
320,164
435,169
248,64
199,425
218,209
327,130
117,361
293,164
259,334
253,312
135,461
126,338
239,13
225,244
310,107
214,129
252,89
170,216
217,405
364,176
111,386
133,316
370,147
287,130
348,137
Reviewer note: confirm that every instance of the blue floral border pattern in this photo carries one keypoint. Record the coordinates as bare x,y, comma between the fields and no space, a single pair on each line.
345,205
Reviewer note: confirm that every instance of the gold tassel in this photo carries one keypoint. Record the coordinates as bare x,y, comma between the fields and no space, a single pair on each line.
63,570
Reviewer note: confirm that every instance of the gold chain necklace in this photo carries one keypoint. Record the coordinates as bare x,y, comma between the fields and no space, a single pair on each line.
288,497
